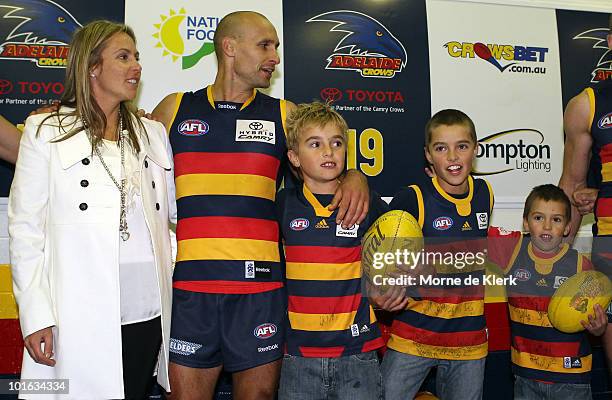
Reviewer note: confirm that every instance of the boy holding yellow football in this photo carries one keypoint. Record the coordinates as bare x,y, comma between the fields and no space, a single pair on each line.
445,327
332,334
547,363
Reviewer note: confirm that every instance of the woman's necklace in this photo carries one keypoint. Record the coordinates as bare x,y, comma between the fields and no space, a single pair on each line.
123,227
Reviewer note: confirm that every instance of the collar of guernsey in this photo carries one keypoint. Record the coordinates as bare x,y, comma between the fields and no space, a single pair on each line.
211,99
464,205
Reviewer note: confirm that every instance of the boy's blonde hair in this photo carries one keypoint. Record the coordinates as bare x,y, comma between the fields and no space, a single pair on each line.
312,114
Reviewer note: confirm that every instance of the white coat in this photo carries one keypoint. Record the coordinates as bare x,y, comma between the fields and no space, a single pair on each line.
64,248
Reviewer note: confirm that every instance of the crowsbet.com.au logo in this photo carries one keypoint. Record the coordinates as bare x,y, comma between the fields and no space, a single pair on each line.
504,57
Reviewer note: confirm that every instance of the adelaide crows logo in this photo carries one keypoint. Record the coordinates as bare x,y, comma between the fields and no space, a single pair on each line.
368,47
41,33
603,69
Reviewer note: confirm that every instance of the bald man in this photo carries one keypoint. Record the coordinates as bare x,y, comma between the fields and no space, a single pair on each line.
228,140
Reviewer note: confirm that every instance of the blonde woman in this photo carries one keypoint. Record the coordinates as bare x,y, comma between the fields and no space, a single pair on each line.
89,214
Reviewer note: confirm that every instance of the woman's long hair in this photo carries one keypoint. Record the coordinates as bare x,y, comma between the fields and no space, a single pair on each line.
85,54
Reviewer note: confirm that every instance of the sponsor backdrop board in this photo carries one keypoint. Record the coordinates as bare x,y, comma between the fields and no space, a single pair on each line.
585,58
34,38
506,78
361,56
175,43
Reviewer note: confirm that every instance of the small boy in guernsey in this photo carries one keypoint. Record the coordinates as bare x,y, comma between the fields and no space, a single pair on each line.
547,363
332,335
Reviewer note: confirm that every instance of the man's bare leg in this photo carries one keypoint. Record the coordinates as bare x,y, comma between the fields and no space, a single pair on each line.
192,383
259,383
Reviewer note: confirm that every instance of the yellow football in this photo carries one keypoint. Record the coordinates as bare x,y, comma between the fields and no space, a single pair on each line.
574,300
393,231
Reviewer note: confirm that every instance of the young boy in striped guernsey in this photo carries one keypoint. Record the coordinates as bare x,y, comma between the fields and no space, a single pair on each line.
547,363
445,326
332,334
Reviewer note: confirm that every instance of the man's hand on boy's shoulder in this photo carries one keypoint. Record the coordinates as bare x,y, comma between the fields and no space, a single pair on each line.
352,199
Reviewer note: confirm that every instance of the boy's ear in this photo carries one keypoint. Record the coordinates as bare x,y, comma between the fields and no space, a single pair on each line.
427,155
293,158
525,225
567,229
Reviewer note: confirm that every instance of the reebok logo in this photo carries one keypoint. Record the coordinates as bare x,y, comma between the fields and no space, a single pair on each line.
267,348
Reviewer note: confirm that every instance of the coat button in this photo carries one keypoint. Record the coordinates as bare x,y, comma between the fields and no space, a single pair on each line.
85,161
84,183
157,206
146,164
153,184
83,206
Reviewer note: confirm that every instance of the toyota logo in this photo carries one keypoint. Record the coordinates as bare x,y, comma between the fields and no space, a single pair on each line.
6,87
256,125
331,94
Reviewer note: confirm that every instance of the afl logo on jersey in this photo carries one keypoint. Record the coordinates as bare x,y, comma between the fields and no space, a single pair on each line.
605,122
299,224
193,127
522,275
265,331
442,223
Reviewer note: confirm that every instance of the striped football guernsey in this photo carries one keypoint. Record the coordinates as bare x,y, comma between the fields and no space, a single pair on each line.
227,160
539,351
601,130
446,322
328,316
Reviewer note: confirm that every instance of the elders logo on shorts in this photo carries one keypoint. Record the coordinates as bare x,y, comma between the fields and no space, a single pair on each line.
183,347
265,331
299,224
193,127
368,47
442,223
249,130
605,122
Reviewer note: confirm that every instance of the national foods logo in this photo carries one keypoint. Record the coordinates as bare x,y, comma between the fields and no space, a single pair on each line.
187,38
39,32
524,59
603,68
516,149
367,46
